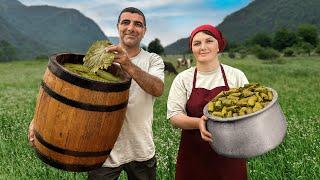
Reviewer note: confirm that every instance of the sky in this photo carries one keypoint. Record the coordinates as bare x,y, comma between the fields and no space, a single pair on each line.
167,20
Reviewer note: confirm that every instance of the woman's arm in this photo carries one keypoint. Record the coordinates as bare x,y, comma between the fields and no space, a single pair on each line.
186,122
176,112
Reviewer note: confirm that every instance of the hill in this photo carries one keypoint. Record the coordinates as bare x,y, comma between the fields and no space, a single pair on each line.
268,16
179,47
261,16
113,39
22,43
36,30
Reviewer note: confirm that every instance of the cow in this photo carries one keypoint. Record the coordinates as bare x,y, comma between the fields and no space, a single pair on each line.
170,68
184,62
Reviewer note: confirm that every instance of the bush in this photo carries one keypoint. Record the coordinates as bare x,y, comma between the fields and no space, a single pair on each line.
265,53
242,50
243,53
317,50
231,54
288,52
255,49
303,48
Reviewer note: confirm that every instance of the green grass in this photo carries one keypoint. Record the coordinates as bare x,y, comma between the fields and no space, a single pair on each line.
296,81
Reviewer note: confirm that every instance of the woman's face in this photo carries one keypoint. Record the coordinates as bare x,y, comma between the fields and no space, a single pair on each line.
204,47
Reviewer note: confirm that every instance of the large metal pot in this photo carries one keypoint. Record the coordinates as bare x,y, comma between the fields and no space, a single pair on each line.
249,135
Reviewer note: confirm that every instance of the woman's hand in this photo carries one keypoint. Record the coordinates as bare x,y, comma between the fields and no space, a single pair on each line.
205,135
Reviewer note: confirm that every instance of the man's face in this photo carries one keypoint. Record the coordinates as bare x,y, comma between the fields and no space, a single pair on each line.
131,29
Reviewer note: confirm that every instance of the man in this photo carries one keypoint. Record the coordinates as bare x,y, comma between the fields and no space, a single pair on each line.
134,150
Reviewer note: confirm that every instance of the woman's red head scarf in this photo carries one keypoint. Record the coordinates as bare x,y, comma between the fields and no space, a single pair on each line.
216,33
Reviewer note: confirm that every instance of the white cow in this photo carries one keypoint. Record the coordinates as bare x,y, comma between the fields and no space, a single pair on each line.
184,62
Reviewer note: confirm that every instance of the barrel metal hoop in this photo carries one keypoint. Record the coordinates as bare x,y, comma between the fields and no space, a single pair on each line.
81,105
86,83
67,167
67,151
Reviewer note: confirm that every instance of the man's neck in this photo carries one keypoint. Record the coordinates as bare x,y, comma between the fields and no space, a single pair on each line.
132,51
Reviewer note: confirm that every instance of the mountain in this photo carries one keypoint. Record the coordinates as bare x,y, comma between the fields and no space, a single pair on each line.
24,44
269,16
113,40
179,47
37,30
261,16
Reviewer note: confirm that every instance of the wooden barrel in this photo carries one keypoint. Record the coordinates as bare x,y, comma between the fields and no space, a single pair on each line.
78,120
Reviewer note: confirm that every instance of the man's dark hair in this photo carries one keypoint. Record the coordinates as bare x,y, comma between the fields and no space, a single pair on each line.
133,10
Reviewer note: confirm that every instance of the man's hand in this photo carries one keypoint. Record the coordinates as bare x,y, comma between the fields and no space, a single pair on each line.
205,135
31,133
121,55
149,83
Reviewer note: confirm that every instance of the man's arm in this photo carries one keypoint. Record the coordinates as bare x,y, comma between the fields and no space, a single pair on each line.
149,83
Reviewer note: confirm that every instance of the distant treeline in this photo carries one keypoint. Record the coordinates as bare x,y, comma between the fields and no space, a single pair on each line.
303,40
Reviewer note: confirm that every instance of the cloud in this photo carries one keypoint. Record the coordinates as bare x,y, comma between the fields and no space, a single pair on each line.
168,20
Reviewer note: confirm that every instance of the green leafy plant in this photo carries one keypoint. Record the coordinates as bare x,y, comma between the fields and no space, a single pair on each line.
288,52
231,54
97,58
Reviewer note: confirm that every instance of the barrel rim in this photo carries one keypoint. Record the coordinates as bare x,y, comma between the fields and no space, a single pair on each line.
57,69
232,119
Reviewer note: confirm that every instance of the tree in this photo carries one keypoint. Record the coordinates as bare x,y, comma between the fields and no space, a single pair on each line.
7,51
284,38
156,47
144,47
262,39
309,34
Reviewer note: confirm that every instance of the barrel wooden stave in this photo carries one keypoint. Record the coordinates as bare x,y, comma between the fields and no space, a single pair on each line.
60,120
98,97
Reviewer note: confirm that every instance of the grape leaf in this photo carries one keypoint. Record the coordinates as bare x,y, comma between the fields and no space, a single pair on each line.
97,58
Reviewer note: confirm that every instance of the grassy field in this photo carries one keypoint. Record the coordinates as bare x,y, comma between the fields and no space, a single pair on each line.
297,81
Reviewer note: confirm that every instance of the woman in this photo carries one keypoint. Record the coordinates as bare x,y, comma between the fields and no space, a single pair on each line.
191,90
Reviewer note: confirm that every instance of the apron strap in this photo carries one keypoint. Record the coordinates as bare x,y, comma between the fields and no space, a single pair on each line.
224,77
194,79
